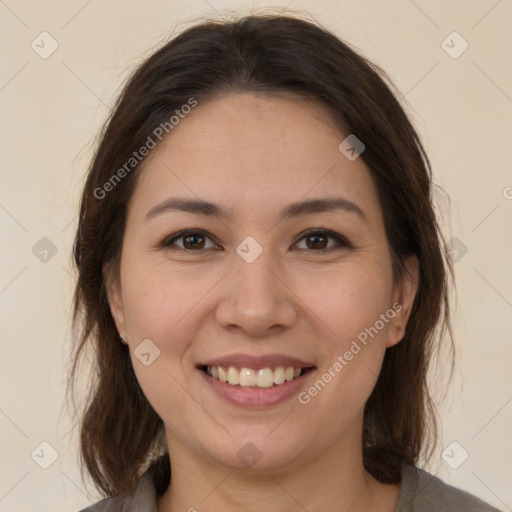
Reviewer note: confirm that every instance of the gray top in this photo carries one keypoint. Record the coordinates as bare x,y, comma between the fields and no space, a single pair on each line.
420,492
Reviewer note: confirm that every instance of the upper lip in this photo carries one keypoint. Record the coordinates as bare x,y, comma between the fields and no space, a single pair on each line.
256,362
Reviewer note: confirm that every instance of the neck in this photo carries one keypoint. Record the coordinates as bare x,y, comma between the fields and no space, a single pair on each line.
335,481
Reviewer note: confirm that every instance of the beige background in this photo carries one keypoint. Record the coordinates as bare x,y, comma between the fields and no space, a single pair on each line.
52,110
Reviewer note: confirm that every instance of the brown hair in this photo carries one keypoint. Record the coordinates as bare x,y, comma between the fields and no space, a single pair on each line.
120,433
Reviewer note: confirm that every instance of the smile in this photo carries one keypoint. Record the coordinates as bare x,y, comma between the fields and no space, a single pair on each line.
254,378
255,381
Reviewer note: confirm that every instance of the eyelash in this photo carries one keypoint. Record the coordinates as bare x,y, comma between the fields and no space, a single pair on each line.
342,242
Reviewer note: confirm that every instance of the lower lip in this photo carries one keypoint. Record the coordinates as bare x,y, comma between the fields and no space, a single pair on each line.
256,397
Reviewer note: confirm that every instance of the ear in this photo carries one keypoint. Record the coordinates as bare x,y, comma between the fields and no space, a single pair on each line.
404,293
114,297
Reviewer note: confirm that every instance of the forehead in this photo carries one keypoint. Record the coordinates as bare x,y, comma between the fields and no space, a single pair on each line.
254,151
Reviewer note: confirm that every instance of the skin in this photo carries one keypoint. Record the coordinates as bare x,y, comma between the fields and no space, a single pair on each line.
254,153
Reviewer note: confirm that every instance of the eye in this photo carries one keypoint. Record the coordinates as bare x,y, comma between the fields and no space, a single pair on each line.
189,240
318,239
196,240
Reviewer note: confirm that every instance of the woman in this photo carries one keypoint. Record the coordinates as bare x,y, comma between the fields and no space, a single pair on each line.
262,281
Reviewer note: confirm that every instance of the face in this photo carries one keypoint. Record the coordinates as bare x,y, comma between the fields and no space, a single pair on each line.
268,278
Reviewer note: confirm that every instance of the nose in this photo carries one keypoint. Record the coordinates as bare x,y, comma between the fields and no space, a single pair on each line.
256,299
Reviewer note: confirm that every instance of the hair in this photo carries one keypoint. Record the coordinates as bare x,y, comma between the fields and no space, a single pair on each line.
121,435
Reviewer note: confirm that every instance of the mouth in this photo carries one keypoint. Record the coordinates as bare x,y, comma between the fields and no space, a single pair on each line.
262,378
255,381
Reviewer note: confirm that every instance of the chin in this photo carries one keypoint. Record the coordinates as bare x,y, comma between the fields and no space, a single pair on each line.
258,452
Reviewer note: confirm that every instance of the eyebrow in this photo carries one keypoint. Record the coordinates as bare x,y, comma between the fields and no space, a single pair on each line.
208,209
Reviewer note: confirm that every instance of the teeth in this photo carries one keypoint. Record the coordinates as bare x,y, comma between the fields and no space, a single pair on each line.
233,376
279,375
265,378
248,377
223,376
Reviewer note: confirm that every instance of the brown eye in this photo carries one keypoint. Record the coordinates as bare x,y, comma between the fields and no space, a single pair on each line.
319,240
189,240
193,241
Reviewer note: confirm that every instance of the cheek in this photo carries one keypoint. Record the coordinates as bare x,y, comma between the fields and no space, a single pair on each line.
156,300
350,304
156,305
347,299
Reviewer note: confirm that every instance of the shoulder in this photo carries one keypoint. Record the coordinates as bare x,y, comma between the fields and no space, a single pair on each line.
143,498
423,492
